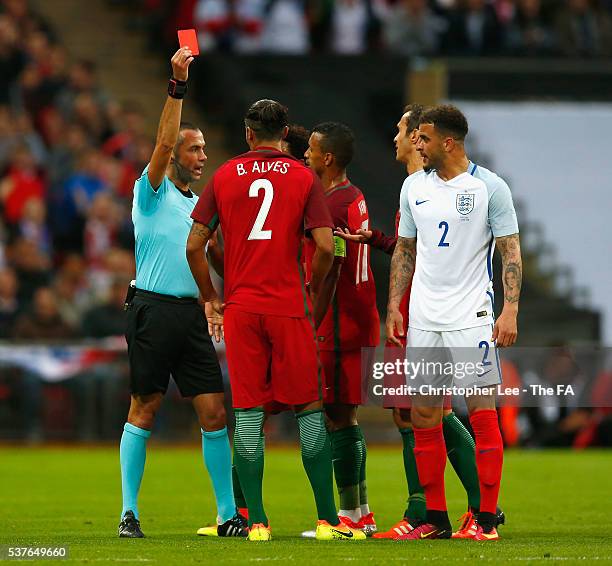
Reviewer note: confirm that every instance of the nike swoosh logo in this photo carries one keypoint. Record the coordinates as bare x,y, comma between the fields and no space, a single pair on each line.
425,535
421,201
486,450
347,535
483,373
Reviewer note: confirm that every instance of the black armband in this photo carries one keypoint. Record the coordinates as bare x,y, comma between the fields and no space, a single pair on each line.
176,88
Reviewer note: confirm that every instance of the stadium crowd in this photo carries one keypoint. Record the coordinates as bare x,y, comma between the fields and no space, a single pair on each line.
69,155
575,28
69,152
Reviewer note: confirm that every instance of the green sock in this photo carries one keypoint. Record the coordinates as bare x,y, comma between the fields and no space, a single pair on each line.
316,457
460,449
416,511
249,461
238,495
363,488
347,457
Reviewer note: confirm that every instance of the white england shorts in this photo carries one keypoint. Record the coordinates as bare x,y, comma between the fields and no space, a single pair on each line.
462,359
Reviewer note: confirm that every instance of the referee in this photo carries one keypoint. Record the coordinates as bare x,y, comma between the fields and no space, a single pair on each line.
166,327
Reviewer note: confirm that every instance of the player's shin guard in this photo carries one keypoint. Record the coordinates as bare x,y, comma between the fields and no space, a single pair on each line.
249,460
416,511
218,461
347,457
316,457
462,456
430,454
132,454
489,459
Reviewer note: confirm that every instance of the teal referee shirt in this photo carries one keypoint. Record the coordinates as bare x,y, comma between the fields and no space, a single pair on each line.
162,221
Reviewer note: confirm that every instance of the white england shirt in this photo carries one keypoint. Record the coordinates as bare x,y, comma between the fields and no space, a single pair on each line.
455,223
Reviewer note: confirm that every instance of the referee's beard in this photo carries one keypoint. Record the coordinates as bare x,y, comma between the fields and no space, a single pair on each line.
183,174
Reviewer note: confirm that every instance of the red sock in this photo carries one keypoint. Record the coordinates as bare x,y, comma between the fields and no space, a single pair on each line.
489,457
430,455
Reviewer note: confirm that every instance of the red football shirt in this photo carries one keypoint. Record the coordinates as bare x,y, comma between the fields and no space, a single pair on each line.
352,320
264,201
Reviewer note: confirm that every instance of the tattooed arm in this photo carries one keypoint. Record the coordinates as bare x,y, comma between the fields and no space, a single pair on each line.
402,270
196,244
505,330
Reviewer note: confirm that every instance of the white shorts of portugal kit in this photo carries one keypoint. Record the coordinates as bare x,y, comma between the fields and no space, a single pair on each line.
462,359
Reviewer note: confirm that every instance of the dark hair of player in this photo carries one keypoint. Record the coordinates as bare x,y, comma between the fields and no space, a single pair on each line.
338,139
297,140
268,119
414,118
447,119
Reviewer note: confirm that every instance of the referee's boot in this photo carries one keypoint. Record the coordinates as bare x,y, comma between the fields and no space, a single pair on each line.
130,526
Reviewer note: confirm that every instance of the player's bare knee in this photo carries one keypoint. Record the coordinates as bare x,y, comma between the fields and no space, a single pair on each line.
401,418
339,424
313,406
341,416
479,403
426,417
214,418
143,410
142,417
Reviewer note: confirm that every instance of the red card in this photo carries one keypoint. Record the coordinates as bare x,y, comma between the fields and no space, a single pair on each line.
188,38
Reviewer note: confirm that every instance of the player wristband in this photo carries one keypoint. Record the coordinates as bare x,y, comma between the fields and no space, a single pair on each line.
176,88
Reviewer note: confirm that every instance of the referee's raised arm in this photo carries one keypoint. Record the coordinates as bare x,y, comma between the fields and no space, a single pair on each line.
169,123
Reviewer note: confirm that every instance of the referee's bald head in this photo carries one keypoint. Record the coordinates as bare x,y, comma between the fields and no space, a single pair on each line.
184,126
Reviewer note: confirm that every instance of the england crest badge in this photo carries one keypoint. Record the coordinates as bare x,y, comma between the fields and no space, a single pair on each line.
465,203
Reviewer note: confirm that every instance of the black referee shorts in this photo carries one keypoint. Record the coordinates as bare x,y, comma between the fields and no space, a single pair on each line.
169,336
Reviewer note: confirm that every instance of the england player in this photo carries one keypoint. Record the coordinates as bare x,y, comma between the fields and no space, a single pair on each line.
459,443
350,324
166,328
264,200
452,214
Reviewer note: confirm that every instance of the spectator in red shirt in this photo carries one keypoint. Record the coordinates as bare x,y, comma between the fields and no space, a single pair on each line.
22,182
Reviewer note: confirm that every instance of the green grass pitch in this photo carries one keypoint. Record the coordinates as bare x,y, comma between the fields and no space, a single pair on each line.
557,506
